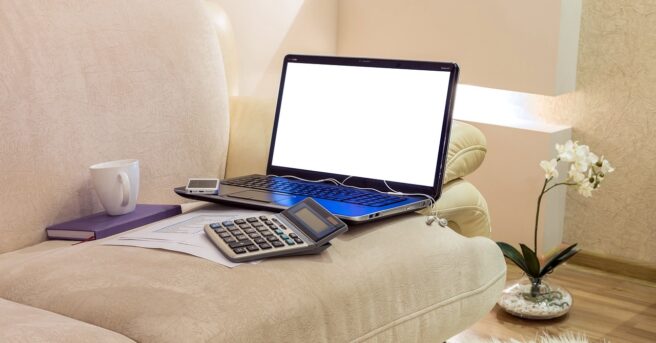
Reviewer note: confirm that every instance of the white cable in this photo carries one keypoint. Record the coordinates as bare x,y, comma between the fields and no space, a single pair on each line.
430,218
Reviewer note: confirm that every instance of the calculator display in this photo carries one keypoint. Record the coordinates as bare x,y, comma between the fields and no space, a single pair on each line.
313,220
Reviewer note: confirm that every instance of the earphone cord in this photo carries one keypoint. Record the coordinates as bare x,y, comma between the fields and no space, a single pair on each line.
430,217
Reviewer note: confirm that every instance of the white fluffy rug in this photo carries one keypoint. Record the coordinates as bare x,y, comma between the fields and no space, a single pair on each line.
564,338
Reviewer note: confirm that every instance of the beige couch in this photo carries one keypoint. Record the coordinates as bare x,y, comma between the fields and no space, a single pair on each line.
88,81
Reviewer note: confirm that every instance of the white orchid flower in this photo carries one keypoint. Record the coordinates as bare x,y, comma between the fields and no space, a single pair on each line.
575,175
606,168
585,189
566,151
549,168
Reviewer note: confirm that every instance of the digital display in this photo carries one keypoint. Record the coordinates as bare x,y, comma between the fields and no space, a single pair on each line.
311,220
202,184
378,123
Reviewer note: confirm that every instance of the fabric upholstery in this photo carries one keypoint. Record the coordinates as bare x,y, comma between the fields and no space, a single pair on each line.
465,209
25,324
467,148
88,81
385,281
251,124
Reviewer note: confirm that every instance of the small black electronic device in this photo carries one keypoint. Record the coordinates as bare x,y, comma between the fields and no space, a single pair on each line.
203,186
305,228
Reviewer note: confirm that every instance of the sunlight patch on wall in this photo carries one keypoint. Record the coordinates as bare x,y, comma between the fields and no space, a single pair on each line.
494,106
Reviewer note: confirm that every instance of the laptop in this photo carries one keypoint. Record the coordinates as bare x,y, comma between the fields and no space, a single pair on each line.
366,138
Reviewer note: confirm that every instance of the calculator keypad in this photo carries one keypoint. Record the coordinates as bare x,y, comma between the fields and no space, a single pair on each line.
254,234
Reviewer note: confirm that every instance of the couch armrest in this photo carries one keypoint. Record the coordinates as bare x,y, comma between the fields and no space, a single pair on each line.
467,149
463,206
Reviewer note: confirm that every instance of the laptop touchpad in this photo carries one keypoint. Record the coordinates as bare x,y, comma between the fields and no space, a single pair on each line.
260,196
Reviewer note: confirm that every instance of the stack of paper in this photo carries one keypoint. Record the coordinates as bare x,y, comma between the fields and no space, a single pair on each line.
184,233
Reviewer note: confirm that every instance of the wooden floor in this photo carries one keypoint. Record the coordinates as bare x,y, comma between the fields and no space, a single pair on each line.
607,308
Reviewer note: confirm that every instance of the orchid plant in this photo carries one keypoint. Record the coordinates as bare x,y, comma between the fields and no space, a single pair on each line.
586,171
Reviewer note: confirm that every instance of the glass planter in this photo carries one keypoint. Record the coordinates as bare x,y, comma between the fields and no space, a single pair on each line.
535,299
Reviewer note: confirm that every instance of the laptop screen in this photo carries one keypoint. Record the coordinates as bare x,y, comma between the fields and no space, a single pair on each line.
370,119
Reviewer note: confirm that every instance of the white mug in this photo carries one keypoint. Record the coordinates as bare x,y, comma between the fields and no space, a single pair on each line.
117,185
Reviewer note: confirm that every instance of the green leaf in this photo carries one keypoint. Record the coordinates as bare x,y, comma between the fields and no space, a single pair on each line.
532,262
513,254
559,258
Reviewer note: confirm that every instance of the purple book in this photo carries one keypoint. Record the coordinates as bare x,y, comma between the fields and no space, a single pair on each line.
101,225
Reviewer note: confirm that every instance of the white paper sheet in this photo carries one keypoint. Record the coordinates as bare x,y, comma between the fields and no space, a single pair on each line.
184,233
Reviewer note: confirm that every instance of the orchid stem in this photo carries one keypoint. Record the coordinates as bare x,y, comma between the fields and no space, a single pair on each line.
558,184
537,215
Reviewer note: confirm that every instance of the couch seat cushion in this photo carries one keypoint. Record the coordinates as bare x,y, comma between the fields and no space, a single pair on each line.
21,323
393,280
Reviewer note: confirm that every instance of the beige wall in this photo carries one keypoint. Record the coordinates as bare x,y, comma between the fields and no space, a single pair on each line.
265,31
528,46
614,111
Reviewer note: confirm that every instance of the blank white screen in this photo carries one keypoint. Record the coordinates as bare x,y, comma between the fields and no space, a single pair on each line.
378,123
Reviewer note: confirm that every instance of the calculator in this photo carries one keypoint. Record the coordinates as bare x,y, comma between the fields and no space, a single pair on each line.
305,228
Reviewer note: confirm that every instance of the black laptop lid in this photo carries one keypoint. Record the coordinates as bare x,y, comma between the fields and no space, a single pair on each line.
373,121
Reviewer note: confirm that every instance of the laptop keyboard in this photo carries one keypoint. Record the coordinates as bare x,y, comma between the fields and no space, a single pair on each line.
314,190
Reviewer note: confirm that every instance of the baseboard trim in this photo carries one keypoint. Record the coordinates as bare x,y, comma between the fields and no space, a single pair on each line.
614,264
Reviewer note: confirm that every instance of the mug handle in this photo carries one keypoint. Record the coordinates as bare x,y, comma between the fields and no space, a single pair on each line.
125,181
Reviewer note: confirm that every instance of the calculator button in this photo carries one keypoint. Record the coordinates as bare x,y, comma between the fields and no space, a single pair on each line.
221,230
215,225
251,220
252,248
283,227
228,223
278,231
235,232
267,233
249,230
273,227
265,246
285,237
244,226
257,224
274,219
293,235
240,221
289,241
263,218
229,240
253,235
277,244
259,240
238,244
241,237
239,250
272,238
262,229
224,235
298,240
268,222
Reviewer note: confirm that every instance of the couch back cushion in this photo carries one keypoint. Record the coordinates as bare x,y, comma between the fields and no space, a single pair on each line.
86,81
